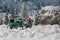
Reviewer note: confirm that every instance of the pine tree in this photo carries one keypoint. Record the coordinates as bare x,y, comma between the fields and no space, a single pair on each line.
6,19
24,14
37,18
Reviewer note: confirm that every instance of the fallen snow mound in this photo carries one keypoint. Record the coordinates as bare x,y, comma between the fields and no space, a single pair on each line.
50,15
40,32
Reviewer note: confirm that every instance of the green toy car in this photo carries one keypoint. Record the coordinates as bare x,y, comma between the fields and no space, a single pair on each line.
15,24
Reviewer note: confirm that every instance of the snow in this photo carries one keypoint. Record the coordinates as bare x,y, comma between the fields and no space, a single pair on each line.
49,8
40,32
49,11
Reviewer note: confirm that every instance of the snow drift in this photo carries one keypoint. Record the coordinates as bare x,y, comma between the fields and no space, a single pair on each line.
50,15
40,32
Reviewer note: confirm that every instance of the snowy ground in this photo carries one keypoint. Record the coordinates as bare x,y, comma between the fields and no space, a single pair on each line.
40,32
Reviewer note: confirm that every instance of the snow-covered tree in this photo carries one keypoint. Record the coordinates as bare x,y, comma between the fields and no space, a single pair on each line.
37,19
24,12
6,19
